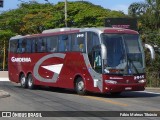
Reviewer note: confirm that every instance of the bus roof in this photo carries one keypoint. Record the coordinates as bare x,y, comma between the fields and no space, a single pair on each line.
110,30
17,37
58,31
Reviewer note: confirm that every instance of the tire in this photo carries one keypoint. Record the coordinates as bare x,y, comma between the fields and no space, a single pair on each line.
23,81
80,86
30,82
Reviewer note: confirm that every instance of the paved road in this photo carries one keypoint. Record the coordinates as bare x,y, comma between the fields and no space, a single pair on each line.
46,99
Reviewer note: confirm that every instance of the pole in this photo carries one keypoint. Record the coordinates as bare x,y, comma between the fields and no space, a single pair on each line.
65,13
4,55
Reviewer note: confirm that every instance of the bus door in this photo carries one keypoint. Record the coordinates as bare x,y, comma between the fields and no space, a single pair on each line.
97,59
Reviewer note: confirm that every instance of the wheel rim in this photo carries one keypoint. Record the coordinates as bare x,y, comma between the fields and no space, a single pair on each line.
23,80
30,82
80,86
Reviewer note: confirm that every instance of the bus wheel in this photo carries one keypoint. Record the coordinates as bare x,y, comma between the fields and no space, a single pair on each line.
80,86
30,82
23,81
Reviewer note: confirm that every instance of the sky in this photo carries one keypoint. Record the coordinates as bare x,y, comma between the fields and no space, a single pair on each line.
119,5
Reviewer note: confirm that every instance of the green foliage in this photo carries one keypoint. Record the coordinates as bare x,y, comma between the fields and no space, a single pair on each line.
32,17
148,14
5,35
137,8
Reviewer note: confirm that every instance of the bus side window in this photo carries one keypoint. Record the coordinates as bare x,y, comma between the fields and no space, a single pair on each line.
23,46
68,44
19,46
78,42
97,65
13,46
38,45
74,43
28,45
34,45
52,44
81,42
64,43
41,45
92,41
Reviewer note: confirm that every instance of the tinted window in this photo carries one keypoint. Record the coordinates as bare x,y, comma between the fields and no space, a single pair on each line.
52,44
33,46
92,41
21,48
61,43
78,42
28,45
41,45
64,43
13,46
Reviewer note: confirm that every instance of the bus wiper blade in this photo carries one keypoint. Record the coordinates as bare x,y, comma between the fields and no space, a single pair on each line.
130,61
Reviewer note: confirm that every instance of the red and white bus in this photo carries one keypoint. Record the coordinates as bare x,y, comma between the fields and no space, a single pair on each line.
105,60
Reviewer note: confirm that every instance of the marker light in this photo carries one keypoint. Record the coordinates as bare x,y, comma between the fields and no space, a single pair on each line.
142,81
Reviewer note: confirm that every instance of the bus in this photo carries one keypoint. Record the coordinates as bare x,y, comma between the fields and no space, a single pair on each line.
101,60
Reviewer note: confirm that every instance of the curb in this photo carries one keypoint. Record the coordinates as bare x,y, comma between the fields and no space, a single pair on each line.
152,88
4,94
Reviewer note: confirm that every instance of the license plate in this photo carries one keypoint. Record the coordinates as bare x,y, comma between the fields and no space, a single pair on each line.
128,88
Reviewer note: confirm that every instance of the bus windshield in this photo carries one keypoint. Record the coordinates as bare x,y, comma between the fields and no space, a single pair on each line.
124,54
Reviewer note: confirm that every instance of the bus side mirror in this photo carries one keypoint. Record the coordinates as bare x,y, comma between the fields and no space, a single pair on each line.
104,52
151,49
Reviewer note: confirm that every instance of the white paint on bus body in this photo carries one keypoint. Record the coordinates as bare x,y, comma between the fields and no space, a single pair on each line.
13,59
54,68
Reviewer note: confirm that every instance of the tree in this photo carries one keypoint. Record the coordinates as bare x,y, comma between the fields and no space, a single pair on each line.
149,9
136,9
5,35
148,14
33,17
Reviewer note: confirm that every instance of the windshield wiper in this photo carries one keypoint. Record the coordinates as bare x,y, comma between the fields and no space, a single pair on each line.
130,61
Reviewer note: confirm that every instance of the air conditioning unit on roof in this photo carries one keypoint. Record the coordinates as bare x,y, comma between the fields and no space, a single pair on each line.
59,30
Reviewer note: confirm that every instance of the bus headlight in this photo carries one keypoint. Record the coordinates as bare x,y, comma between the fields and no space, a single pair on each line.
142,81
111,81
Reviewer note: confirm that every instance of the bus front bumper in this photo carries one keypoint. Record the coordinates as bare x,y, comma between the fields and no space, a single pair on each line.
124,87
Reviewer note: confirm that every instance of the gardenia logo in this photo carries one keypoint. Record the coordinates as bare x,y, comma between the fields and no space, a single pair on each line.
13,59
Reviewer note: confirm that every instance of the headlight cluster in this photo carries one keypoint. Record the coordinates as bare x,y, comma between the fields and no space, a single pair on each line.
142,81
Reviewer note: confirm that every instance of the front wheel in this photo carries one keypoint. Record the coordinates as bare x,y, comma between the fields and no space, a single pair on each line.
30,82
23,81
80,86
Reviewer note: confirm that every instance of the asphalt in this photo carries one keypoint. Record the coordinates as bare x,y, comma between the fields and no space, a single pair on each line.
4,77
4,94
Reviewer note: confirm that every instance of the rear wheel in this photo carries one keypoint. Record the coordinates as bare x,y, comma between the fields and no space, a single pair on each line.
23,81
80,86
30,82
